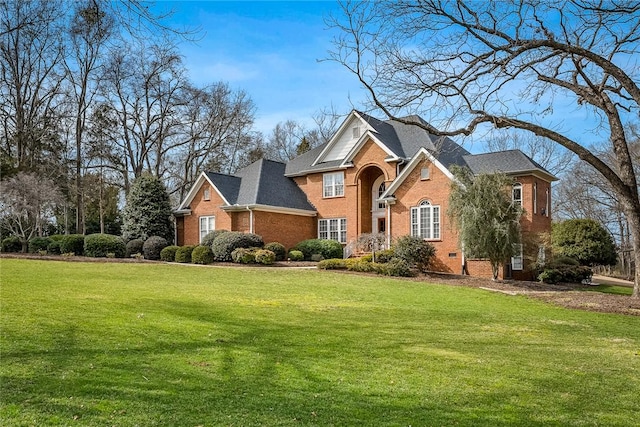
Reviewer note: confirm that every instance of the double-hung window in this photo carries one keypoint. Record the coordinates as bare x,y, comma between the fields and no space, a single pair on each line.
517,194
517,261
333,184
425,221
333,229
207,225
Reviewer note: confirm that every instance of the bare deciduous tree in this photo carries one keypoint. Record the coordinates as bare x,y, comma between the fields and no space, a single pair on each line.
508,65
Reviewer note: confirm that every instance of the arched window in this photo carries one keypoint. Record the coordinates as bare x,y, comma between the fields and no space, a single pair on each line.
425,221
381,189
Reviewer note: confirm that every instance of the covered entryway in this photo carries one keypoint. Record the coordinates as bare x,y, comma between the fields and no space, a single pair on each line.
371,185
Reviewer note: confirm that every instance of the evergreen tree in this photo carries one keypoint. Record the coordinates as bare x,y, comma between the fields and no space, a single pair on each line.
487,220
148,210
584,240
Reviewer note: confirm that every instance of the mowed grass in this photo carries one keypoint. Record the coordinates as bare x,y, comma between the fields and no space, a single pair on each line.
95,344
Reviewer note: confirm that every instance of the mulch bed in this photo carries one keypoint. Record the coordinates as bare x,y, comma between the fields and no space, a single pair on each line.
572,296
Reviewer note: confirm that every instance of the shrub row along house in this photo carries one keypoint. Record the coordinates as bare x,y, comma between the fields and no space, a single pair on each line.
373,176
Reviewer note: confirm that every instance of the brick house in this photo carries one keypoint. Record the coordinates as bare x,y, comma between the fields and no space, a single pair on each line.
373,176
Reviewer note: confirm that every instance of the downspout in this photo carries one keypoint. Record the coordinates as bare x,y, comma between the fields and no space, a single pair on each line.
250,219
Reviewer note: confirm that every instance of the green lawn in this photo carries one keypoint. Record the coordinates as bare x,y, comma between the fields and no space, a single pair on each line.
102,344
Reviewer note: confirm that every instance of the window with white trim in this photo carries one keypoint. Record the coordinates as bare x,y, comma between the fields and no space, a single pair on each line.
517,260
206,196
425,221
516,194
381,190
333,184
333,229
207,225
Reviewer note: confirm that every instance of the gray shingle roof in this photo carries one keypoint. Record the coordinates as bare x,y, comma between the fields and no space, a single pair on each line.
509,162
261,183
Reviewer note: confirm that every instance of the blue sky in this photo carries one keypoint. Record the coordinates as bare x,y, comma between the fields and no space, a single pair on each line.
271,50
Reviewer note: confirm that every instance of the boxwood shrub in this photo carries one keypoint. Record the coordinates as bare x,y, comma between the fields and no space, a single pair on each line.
265,256
152,247
38,244
168,254
278,249
326,248
134,246
183,254
212,236
100,245
72,244
295,255
11,244
202,255
226,243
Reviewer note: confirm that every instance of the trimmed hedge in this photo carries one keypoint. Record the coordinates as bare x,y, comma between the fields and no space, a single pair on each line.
295,255
202,255
183,254
566,274
54,244
101,245
134,246
326,248
152,247
11,244
168,254
211,237
72,243
226,243
38,244
278,249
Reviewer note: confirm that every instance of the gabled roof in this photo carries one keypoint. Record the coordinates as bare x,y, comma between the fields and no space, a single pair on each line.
510,162
261,184
401,142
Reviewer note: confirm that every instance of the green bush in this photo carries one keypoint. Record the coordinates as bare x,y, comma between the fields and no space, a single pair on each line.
278,249
265,256
396,267
326,248
209,238
415,251
361,266
152,247
183,254
332,264
72,243
295,255
99,245
134,246
226,243
168,254
243,256
38,244
202,255
385,255
53,247
565,274
11,244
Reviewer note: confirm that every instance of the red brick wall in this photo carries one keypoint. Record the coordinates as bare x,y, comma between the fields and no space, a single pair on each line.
284,228
190,235
436,191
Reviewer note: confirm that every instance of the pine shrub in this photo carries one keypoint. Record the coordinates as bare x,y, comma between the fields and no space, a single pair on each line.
202,255
101,245
152,247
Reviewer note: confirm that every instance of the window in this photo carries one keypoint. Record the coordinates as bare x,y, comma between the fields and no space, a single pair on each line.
355,132
207,194
517,194
381,189
333,229
424,174
333,184
207,225
425,221
516,261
